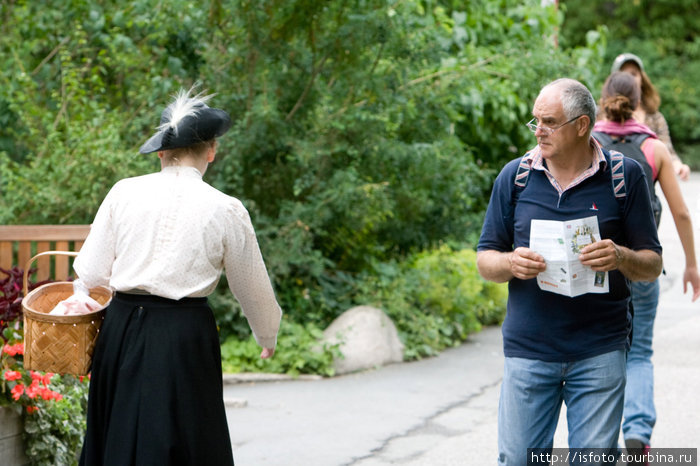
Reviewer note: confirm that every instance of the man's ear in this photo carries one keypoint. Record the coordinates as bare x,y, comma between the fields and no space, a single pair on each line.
586,126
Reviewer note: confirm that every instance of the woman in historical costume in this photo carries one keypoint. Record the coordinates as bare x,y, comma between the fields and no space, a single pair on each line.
161,241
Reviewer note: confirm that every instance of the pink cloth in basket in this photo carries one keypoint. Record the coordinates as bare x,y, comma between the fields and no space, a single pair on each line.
77,304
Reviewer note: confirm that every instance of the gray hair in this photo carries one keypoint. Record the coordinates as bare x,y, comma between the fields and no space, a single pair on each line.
576,99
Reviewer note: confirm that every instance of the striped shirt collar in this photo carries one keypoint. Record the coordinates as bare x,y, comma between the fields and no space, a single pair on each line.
537,162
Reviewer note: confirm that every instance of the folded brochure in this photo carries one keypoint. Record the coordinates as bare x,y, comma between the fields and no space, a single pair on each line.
560,244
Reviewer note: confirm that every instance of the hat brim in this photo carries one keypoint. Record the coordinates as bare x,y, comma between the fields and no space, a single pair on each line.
209,123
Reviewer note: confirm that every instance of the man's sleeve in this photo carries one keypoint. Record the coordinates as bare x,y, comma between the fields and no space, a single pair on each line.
497,231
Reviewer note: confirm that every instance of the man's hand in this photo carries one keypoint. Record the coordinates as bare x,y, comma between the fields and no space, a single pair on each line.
500,267
267,353
526,263
602,256
638,265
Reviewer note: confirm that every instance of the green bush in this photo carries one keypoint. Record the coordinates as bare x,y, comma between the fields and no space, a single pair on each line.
298,352
54,433
436,299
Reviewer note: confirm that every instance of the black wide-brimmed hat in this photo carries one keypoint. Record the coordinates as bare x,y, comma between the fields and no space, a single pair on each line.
187,121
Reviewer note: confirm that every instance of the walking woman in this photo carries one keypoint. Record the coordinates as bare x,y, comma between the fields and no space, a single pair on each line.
161,241
619,99
647,111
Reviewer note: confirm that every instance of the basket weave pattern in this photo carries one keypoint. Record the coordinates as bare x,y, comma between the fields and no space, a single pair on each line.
59,343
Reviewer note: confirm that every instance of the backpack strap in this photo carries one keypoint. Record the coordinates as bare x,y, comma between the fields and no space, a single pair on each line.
638,138
603,138
521,176
606,140
617,170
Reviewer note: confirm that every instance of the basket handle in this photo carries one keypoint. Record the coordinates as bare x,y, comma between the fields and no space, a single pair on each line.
25,282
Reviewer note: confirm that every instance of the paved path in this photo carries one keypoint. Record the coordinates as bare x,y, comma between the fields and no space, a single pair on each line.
442,411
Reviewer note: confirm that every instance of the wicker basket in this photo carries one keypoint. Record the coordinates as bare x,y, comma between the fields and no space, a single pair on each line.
59,343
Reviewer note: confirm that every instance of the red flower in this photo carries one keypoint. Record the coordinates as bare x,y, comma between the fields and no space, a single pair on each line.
32,409
17,391
33,390
46,378
48,394
13,350
13,375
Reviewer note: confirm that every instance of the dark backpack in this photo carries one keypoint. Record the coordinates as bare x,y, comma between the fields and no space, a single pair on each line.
631,146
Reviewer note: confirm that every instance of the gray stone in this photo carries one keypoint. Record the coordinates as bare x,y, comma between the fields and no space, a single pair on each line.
367,338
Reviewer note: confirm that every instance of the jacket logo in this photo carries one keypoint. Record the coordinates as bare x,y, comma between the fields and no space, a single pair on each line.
594,207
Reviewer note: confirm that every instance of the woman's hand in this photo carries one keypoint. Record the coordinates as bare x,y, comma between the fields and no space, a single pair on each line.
691,276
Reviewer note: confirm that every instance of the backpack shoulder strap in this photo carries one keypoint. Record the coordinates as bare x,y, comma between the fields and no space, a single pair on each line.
617,170
603,138
639,138
523,173
606,140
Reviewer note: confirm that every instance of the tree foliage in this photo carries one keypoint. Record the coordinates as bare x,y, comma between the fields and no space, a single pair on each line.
666,35
365,130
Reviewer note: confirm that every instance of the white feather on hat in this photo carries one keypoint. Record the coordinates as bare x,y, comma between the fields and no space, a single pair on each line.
186,121
182,107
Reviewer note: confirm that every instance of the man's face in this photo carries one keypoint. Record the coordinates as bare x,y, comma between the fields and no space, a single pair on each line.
549,113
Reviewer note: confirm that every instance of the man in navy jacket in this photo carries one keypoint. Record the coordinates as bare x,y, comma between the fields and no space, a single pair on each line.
560,348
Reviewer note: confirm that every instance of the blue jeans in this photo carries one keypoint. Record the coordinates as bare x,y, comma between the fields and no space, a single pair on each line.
533,391
639,413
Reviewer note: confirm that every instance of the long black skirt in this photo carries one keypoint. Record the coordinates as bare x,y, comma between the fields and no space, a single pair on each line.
156,392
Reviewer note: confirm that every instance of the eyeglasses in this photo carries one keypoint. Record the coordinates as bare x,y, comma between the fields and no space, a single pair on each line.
532,126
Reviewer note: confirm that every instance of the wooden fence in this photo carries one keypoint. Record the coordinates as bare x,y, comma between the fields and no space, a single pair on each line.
19,243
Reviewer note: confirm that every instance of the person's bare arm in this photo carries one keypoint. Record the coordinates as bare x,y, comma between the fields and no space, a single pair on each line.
605,255
660,127
496,266
681,215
